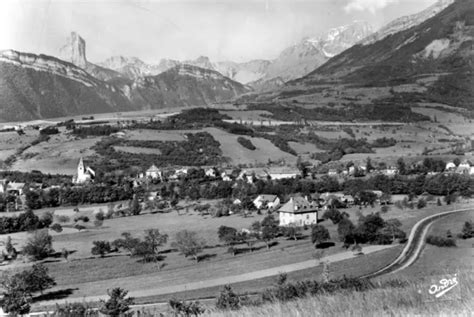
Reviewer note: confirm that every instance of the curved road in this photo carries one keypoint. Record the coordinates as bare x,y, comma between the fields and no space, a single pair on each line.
408,256
415,243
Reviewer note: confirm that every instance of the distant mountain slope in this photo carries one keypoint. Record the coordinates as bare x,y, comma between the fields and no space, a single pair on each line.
407,22
184,85
441,46
307,55
39,86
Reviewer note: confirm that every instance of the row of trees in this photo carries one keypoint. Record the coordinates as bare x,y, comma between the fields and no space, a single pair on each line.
187,242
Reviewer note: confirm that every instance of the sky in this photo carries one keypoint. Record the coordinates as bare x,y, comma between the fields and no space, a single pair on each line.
237,30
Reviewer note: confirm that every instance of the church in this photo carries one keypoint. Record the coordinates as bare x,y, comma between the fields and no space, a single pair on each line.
84,173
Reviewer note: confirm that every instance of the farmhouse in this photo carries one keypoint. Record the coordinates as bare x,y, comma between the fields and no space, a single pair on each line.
15,189
84,173
450,166
154,173
283,173
266,201
211,172
298,211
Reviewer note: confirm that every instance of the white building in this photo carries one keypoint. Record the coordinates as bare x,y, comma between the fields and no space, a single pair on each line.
84,173
154,173
450,166
298,211
266,201
211,172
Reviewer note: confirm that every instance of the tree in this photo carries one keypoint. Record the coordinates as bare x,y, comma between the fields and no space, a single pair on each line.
467,230
229,236
421,203
401,166
319,234
333,214
369,167
393,227
39,245
37,279
135,207
345,230
20,286
155,239
292,231
117,304
189,244
368,227
101,248
65,253
228,299
269,229
16,300
9,247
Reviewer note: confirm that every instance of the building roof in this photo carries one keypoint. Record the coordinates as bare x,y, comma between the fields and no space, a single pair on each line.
268,198
298,205
153,169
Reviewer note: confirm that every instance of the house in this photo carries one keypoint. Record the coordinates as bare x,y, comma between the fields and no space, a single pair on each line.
246,176
298,211
3,185
237,202
332,172
390,171
471,170
283,173
15,189
348,200
464,168
84,173
266,201
154,173
225,177
450,166
178,173
211,172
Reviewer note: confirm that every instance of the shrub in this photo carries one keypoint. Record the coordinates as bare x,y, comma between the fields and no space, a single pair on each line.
228,300
56,227
101,248
39,245
100,215
182,308
81,218
79,227
441,241
467,230
333,214
246,143
63,218
421,203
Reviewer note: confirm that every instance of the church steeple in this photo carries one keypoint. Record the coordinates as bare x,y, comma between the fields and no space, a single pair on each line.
80,168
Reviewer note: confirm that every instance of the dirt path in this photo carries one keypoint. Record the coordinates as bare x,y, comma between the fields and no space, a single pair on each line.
224,280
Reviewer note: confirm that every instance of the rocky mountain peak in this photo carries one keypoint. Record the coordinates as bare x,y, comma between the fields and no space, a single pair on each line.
74,50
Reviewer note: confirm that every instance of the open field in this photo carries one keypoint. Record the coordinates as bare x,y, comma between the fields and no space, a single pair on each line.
59,155
137,150
240,155
89,275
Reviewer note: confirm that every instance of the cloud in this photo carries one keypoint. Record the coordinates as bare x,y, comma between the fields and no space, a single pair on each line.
367,5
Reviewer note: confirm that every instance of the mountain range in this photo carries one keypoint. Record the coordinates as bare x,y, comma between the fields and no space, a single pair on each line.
436,40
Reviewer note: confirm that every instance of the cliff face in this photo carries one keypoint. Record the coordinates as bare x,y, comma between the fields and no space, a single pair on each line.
74,50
